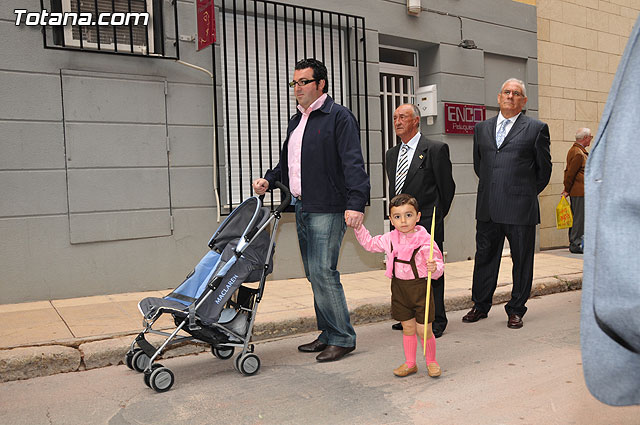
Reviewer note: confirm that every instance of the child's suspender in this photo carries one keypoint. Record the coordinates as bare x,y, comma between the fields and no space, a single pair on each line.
411,262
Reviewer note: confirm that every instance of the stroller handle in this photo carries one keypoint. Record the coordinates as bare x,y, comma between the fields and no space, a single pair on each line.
287,197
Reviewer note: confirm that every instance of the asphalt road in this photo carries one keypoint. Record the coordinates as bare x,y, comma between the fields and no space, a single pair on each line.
491,375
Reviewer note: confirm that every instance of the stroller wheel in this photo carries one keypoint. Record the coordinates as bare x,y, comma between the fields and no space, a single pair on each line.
161,379
140,361
147,373
222,353
249,364
128,358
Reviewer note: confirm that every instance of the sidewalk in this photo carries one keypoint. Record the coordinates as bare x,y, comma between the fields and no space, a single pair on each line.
47,337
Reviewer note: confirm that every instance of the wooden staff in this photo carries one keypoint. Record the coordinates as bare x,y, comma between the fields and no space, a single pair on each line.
426,308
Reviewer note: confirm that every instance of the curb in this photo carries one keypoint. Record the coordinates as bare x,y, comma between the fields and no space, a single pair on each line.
77,355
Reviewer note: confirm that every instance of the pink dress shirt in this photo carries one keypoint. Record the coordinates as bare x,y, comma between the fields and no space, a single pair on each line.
295,146
403,246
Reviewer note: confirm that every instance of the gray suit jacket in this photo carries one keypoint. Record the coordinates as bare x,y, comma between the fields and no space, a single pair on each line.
610,314
511,177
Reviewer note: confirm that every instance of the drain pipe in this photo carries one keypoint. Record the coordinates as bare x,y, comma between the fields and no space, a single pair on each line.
215,141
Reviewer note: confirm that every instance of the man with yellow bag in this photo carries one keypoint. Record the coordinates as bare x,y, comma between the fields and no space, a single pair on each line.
574,186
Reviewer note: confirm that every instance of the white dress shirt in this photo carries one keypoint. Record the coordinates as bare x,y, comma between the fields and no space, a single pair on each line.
412,144
508,128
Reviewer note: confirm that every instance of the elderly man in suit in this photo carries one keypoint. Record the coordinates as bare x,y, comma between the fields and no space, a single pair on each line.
512,159
421,168
610,319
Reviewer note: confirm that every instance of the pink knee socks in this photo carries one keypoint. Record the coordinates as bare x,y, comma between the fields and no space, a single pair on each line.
410,343
430,354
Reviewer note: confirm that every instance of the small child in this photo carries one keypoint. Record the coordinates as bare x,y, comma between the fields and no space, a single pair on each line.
407,249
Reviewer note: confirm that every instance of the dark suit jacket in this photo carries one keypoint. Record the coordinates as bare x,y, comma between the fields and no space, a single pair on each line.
429,180
511,177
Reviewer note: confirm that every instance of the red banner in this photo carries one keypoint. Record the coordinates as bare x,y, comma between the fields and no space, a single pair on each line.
461,119
206,23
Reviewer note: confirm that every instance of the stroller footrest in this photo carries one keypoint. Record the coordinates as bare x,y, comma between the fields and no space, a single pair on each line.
146,346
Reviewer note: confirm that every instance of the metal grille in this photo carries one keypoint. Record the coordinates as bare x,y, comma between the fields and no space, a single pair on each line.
395,89
260,43
123,36
134,38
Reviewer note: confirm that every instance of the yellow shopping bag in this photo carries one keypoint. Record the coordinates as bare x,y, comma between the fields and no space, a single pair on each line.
564,218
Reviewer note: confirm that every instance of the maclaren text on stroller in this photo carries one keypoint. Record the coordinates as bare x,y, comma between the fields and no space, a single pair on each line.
241,250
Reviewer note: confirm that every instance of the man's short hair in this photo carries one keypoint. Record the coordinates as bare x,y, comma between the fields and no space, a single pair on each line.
403,199
582,133
515,80
416,112
319,71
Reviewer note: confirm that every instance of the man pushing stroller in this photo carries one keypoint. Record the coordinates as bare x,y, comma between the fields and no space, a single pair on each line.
322,164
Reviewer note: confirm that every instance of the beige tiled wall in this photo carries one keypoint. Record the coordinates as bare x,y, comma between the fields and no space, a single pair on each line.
579,46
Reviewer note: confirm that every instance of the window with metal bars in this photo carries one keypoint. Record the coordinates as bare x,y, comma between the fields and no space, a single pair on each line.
137,35
260,42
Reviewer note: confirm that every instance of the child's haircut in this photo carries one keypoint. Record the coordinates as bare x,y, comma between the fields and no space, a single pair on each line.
403,199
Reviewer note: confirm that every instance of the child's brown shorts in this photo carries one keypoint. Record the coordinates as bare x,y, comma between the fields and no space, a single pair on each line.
408,300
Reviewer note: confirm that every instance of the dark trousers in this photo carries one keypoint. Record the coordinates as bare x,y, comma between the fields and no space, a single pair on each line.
489,244
576,233
437,289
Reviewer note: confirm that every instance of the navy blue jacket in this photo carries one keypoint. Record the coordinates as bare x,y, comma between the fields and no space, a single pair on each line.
333,176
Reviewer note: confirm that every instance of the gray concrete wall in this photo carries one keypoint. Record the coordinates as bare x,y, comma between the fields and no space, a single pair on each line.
86,207
60,238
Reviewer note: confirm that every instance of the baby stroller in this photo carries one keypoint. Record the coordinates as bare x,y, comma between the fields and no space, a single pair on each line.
212,305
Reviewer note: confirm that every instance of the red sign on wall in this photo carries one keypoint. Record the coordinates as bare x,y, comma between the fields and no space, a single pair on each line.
461,119
206,23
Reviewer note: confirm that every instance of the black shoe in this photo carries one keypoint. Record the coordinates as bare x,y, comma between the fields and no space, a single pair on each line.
575,250
312,347
515,321
333,353
438,328
397,326
473,316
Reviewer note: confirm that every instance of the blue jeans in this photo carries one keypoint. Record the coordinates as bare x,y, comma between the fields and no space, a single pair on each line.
320,236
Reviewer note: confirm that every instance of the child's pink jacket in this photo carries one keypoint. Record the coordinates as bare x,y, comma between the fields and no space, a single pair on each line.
403,246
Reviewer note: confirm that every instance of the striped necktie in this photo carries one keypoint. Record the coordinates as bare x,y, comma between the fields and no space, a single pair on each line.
403,168
502,133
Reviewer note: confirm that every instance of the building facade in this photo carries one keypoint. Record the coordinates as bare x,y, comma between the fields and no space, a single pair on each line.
116,165
579,46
